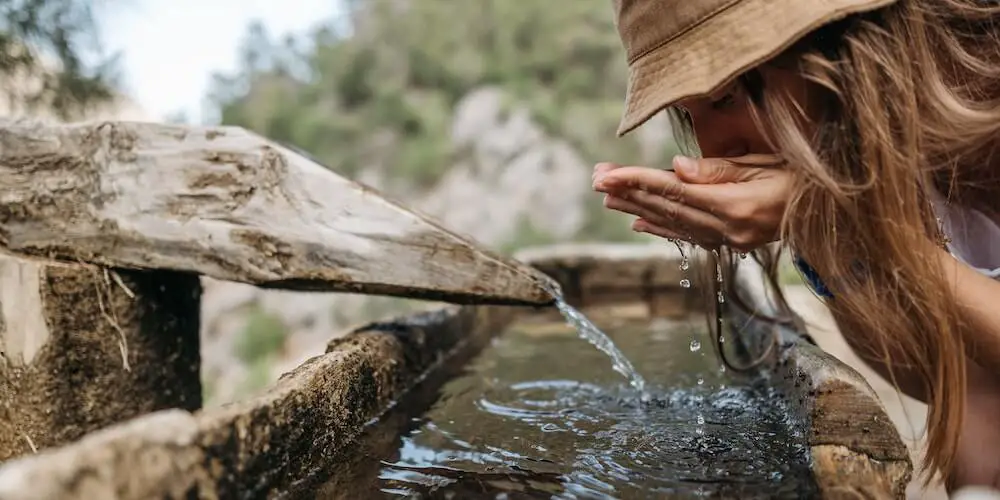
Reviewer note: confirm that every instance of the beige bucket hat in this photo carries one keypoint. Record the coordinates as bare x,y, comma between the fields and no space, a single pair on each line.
684,48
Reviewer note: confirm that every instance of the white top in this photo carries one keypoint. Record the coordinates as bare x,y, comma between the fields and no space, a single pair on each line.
975,238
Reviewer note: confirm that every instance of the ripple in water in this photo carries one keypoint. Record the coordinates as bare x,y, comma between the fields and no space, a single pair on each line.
536,417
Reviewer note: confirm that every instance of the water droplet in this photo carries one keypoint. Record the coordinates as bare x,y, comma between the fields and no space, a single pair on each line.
680,248
722,340
685,283
685,265
695,346
701,420
743,255
722,297
699,431
701,381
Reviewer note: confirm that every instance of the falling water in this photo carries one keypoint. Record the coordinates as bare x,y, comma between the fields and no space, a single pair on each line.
720,297
588,331
695,343
591,333
700,420
718,278
685,263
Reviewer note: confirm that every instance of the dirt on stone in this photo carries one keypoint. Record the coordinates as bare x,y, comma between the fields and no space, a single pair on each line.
78,381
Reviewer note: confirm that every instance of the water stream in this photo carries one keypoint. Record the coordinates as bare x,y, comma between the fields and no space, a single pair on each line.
588,331
592,334
538,415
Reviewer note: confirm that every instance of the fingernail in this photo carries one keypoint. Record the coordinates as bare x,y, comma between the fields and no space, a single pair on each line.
685,164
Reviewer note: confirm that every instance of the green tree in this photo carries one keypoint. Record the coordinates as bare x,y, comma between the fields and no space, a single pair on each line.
54,43
381,90
395,79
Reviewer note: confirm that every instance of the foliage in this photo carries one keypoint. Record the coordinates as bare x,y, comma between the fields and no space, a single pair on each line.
605,225
384,95
51,42
525,235
208,390
263,336
258,376
374,308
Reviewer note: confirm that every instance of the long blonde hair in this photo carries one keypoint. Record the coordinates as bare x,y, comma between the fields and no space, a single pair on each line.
912,103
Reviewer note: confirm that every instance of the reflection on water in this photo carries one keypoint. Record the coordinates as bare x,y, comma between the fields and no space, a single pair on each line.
540,414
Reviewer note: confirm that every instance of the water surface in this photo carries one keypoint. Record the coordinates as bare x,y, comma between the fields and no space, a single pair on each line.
542,414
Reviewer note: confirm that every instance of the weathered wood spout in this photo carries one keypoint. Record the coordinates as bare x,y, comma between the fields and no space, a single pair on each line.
226,203
106,227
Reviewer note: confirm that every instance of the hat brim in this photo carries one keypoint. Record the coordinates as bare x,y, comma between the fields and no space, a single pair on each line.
722,47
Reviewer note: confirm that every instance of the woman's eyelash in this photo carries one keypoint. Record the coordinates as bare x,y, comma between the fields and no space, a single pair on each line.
724,101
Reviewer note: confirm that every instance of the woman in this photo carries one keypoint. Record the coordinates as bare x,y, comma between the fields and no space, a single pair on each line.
861,134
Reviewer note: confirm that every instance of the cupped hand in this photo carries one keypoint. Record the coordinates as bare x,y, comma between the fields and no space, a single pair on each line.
737,202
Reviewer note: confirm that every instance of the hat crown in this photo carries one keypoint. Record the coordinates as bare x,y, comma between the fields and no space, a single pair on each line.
645,25
684,48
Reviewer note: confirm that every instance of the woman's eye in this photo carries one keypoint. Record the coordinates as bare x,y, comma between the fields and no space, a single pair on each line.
724,102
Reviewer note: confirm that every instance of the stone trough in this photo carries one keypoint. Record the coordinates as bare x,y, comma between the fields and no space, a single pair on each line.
306,424
106,228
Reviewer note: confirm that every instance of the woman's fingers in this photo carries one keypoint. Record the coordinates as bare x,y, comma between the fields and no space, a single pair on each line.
680,218
662,183
625,206
644,226
601,169
735,201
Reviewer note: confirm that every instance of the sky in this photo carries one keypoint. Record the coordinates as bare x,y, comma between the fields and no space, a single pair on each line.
170,48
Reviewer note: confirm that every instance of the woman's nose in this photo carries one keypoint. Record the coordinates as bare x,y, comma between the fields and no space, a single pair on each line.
721,145
719,139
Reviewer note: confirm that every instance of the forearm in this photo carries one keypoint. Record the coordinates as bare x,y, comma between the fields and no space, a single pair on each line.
858,336
978,296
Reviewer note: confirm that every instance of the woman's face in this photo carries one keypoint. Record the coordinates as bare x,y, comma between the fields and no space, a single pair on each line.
723,121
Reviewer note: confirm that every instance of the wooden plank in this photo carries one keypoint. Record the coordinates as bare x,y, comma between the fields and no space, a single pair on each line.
227,203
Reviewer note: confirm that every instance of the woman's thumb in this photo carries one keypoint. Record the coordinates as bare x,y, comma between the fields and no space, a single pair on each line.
705,170
721,170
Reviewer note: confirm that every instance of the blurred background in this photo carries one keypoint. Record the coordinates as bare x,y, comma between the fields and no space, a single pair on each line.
486,114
